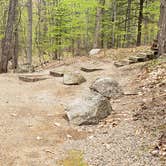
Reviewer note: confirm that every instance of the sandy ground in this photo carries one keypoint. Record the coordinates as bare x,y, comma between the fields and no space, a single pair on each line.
30,112
33,128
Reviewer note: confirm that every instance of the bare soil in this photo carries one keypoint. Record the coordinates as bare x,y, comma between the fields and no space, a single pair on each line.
34,130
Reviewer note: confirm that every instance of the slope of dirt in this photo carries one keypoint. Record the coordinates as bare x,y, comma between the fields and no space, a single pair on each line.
34,130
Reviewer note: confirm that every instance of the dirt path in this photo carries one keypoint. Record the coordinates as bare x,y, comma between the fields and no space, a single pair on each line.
34,131
120,140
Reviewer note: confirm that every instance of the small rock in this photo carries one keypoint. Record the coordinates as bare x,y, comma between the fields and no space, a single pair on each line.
155,152
94,51
114,124
164,154
13,114
57,124
69,136
140,93
39,138
73,78
108,146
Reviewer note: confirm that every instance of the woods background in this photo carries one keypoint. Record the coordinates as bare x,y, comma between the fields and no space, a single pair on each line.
55,28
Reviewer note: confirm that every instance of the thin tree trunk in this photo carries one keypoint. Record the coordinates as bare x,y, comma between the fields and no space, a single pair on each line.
162,32
114,22
15,50
29,37
127,23
15,41
98,24
102,25
140,20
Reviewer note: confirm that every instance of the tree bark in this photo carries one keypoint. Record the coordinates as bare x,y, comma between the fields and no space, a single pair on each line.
114,17
140,20
127,23
96,43
7,41
162,25
15,41
29,37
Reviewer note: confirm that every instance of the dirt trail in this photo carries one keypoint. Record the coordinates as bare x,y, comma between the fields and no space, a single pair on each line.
32,124
29,113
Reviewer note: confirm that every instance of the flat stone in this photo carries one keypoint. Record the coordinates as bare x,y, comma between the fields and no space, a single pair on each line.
90,69
57,73
121,63
136,59
27,78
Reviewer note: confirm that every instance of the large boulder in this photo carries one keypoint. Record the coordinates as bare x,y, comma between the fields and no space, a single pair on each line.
89,109
107,87
73,78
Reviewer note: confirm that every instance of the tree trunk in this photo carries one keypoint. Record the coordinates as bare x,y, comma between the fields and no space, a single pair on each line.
140,20
114,17
102,25
29,37
7,41
162,25
98,24
127,23
15,41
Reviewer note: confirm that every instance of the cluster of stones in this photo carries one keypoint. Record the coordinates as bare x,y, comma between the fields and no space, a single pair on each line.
94,105
142,57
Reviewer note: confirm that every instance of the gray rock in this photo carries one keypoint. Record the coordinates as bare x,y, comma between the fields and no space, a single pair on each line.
90,69
31,78
57,73
73,78
89,109
121,63
94,51
136,59
107,87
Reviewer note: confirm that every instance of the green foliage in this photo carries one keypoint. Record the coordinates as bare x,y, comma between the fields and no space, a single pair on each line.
69,25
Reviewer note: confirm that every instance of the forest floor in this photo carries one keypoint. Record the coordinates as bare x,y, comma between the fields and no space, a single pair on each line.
35,132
